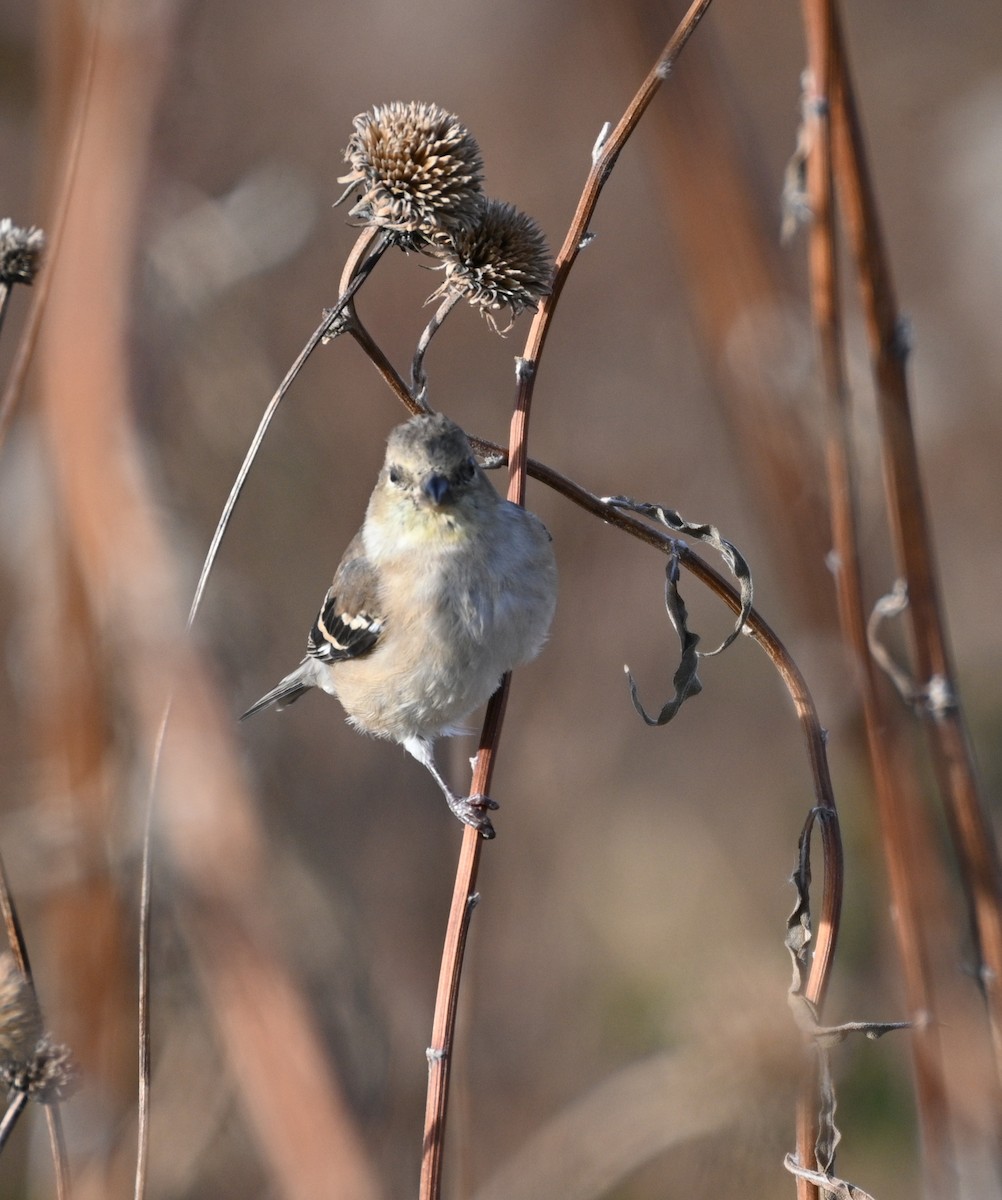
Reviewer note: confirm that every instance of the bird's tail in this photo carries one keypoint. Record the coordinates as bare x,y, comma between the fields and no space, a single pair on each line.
287,692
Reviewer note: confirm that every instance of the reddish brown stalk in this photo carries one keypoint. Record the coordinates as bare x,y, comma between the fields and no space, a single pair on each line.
464,899
603,160
944,723
895,787
604,156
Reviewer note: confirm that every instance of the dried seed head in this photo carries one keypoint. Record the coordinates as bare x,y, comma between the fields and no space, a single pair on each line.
416,170
50,1073
20,252
502,262
20,1018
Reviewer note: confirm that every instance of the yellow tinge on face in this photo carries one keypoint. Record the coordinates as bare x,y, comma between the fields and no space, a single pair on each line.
426,523
412,523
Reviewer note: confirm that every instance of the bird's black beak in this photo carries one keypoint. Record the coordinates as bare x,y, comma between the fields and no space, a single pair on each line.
437,488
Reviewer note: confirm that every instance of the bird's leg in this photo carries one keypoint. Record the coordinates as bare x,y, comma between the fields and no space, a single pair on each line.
471,810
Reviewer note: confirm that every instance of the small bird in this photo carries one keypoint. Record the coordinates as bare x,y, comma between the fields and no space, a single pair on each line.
444,588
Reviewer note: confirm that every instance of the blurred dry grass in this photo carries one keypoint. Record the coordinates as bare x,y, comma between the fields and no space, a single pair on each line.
641,916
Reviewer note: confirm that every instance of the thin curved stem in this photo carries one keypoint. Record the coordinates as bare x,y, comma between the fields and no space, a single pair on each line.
368,250
419,380
143,999
10,1117
60,1158
5,291
604,155
354,327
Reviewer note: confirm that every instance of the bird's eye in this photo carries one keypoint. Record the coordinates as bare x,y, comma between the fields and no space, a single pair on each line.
395,476
467,470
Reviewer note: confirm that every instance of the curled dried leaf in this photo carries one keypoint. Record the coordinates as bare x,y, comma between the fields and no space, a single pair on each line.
685,680
710,536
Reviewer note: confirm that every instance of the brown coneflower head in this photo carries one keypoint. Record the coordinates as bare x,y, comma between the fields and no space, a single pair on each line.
416,169
20,252
503,262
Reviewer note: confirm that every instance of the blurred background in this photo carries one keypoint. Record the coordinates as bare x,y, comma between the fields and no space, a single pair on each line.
624,1029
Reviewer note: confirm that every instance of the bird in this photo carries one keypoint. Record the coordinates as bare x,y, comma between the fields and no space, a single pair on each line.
444,589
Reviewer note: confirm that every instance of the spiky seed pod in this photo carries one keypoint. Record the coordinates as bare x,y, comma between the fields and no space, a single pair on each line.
50,1073
503,262
20,252
416,170
20,1018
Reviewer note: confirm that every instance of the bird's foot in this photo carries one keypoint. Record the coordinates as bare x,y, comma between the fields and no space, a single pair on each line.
473,810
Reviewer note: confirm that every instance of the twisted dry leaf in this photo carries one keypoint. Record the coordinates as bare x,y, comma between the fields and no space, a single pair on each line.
685,680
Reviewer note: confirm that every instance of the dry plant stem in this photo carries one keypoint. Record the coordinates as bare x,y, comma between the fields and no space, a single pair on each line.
896,791
604,156
14,1110
5,291
60,1155
464,899
365,254
418,377
145,1070
945,725
604,159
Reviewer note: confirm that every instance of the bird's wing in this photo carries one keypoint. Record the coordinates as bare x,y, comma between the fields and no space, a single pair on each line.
350,620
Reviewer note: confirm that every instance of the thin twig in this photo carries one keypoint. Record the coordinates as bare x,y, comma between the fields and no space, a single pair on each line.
419,380
604,155
5,291
145,938
353,326
10,1117
464,899
366,252
60,1157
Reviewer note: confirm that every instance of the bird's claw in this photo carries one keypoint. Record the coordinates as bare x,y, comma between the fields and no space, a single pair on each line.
473,810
